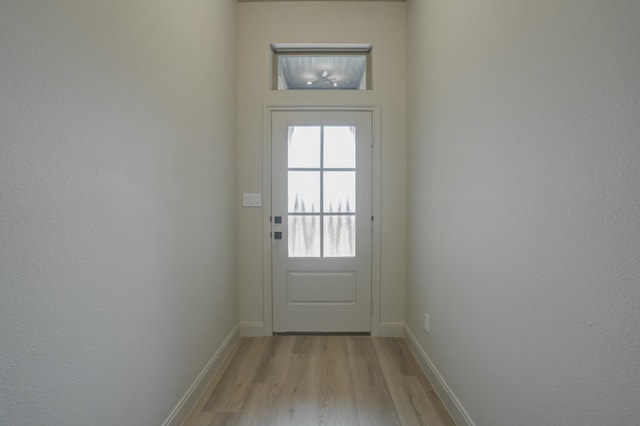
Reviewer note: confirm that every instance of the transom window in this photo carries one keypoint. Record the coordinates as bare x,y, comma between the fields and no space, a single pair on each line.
321,67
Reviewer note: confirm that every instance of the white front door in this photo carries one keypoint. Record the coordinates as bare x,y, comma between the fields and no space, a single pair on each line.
321,220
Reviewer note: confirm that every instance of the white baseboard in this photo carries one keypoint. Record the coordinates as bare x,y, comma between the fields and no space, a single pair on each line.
448,398
391,329
252,329
190,398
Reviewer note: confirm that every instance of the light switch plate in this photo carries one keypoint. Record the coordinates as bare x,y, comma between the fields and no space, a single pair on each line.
251,199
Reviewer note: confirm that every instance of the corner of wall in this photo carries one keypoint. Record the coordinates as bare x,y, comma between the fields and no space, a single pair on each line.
251,329
446,395
188,403
392,329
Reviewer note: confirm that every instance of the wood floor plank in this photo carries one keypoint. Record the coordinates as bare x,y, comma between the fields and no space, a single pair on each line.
260,406
204,419
379,418
231,390
309,345
394,356
412,404
320,380
431,393
217,419
337,400
398,364
275,360
196,412
298,402
370,386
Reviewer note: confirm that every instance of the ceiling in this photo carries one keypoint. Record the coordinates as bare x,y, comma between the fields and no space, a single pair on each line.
263,1
322,72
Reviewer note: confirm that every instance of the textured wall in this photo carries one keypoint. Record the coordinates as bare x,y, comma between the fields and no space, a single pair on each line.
117,215
524,147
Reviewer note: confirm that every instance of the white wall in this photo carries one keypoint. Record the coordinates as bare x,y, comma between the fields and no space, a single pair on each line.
380,23
117,212
524,147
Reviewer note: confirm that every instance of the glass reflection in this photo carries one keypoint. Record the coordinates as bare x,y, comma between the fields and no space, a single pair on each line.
339,236
304,147
304,192
304,236
340,192
340,147
327,193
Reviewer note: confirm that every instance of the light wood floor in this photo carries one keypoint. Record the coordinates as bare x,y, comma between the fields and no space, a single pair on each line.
319,380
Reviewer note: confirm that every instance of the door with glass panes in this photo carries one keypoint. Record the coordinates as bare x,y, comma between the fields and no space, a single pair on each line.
321,220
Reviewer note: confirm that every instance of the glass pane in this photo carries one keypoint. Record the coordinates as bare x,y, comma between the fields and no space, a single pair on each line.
321,72
340,147
304,236
339,236
304,192
304,147
340,192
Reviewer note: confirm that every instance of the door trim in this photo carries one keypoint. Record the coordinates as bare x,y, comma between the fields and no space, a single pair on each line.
267,300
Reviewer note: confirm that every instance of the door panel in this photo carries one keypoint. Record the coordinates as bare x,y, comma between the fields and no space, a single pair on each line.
321,195
322,287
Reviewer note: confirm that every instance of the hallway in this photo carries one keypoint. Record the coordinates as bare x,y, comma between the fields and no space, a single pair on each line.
329,380
505,213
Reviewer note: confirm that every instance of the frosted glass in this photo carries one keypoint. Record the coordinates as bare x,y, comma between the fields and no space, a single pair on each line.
304,236
304,192
340,147
340,192
304,147
339,236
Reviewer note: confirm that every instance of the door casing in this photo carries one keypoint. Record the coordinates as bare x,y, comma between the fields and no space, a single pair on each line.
266,208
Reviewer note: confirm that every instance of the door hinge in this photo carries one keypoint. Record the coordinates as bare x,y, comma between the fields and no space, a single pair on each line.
371,223
371,307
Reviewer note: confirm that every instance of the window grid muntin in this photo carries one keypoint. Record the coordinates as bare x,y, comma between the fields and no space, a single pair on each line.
322,212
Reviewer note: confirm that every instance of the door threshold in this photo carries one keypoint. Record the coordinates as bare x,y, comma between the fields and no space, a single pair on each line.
322,333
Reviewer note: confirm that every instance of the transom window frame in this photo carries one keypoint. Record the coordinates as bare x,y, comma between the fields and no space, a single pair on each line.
279,50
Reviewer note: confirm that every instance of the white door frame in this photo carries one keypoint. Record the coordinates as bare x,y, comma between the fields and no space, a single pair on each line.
267,300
